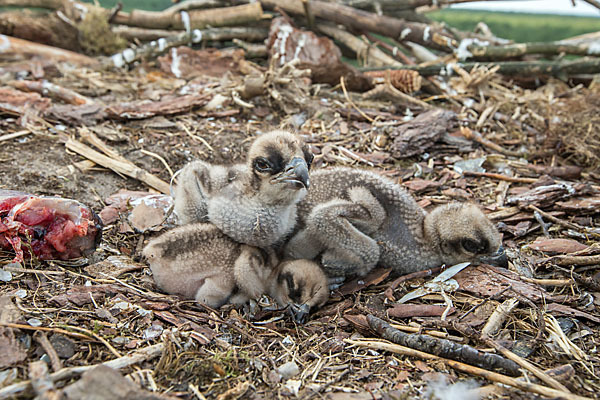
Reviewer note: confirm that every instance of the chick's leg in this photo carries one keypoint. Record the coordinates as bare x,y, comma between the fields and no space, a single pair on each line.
253,270
216,290
191,193
349,251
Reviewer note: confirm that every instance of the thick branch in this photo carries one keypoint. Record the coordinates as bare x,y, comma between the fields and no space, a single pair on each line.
48,4
236,15
519,49
365,21
11,45
520,68
249,34
160,46
443,348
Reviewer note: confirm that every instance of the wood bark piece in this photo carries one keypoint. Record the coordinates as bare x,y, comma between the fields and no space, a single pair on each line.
487,281
520,68
581,205
19,103
418,135
186,63
138,356
418,310
365,21
443,348
557,245
14,46
226,16
167,106
118,166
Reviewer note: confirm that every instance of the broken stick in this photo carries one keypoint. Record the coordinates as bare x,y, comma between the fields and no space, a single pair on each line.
118,166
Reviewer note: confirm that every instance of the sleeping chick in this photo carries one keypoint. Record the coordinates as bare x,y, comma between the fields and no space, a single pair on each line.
354,219
197,261
253,203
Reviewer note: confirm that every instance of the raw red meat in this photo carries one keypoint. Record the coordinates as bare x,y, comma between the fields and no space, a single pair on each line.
48,228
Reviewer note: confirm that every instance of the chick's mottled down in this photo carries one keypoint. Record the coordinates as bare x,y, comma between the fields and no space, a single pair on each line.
197,261
355,219
253,203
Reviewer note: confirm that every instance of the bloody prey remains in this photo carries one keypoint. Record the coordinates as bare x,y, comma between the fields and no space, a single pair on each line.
46,227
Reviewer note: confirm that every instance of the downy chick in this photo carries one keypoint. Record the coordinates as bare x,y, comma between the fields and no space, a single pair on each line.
253,203
197,261
354,219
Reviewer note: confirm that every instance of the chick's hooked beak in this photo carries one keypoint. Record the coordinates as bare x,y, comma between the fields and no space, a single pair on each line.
299,312
295,173
497,259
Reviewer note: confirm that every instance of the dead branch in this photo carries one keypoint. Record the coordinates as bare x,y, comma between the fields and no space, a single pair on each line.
118,166
389,5
520,68
365,21
160,46
13,46
520,49
198,19
443,348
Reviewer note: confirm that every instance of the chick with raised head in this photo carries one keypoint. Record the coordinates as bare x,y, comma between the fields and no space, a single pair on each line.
198,261
355,219
255,203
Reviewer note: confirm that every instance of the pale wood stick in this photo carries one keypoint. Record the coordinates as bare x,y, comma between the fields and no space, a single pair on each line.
118,166
549,282
94,140
492,376
65,373
13,135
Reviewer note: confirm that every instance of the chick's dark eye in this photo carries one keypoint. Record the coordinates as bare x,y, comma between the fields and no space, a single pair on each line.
308,156
471,246
262,165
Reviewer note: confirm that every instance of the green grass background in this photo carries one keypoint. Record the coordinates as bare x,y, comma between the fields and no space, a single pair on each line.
515,26
520,27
